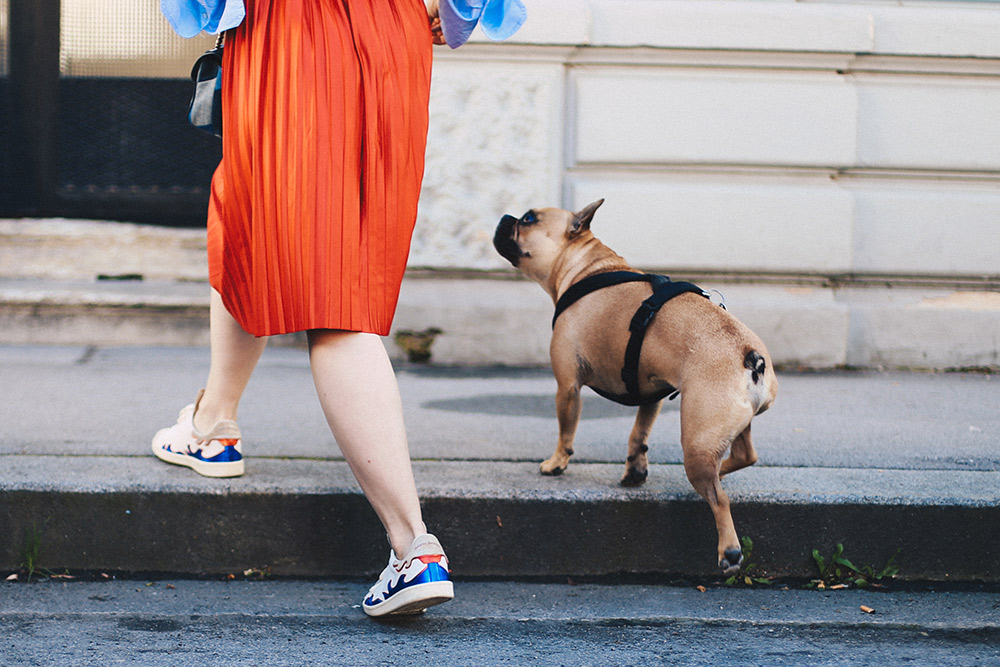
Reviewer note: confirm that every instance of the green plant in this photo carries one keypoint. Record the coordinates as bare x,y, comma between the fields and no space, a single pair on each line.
32,550
749,573
31,554
839,572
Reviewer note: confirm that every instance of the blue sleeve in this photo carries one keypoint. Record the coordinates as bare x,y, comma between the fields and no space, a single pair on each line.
186,17
229,14
499,18
502,18
190,17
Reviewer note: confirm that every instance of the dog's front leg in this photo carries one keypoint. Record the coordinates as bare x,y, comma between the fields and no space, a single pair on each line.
568,412
636,467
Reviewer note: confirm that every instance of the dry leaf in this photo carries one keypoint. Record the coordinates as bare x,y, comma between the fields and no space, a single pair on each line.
867,610
838,587
499,522
12,577
171,587
702,589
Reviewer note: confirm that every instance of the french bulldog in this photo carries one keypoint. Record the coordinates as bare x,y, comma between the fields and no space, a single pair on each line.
720,368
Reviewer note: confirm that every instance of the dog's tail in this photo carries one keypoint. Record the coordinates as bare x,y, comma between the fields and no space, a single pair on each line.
756,365
754,362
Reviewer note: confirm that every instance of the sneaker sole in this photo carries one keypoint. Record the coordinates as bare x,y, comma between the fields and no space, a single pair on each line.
227,469
414,600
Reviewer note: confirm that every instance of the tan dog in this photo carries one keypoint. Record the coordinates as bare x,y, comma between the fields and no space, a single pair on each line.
721,368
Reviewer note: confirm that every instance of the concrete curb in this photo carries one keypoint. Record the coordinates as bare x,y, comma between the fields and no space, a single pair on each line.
497,519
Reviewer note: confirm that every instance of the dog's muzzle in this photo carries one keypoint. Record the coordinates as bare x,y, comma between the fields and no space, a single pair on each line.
503,240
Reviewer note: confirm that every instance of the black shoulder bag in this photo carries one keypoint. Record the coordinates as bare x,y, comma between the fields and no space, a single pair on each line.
206,103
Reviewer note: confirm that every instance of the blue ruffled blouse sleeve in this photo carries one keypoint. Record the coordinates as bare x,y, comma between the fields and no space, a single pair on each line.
190,17
499,19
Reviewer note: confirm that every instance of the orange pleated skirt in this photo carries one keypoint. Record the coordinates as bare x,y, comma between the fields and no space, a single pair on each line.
325,125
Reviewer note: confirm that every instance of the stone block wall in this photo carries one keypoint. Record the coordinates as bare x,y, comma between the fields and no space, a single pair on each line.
835,164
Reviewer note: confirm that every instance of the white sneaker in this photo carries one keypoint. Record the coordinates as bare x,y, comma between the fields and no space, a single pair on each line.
218,453
411,585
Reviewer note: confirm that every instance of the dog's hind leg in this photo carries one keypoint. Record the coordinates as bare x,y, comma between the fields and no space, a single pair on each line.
568,412
710,424
637,465
741,454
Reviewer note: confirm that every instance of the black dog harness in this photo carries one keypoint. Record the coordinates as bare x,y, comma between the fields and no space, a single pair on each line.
664,289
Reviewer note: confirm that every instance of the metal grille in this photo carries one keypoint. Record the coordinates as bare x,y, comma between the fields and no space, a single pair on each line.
123,97
131,136
93,113
123,38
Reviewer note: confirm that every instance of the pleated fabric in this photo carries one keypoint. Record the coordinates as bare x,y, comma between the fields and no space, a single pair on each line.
325,111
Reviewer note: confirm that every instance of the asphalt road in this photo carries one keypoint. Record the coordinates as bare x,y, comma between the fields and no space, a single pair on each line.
189,622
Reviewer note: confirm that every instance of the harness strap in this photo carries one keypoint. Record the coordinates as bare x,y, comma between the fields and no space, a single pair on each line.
592,284
664,289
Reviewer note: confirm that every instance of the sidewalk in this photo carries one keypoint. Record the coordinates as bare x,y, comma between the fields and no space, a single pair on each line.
877,461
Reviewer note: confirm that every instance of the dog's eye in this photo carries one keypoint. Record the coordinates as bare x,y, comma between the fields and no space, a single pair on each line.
529,218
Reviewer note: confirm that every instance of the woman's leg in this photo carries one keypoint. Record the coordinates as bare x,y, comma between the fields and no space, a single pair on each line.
234,356
358,391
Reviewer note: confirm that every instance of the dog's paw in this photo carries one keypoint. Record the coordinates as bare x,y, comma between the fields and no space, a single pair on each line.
634,477
552,468
730,564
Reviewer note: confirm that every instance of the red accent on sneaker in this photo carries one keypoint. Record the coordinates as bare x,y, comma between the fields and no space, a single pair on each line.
228,442
427,560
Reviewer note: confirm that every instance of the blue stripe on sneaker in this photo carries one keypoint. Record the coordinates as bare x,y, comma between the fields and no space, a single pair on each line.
229,454
433,572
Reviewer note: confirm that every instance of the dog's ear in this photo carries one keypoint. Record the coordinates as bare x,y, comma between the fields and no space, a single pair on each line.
582,218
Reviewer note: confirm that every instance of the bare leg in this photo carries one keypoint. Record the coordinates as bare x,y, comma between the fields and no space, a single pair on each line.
234,356
358,391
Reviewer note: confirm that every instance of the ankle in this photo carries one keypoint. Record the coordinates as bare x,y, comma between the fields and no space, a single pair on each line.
208,414
402,539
